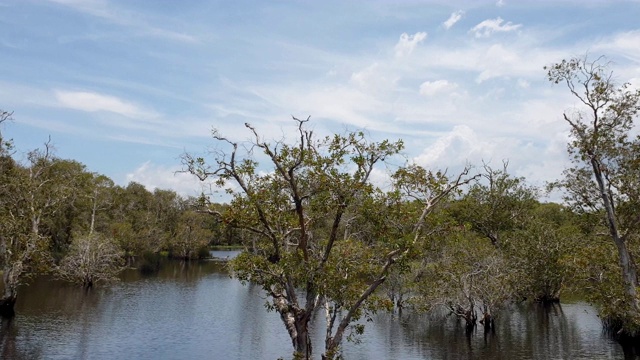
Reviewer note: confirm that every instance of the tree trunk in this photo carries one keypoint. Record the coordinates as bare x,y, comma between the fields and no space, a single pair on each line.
296,321
7,304
10,294
470,320
94,209
332,343
629,273
627,265
487,320
302,342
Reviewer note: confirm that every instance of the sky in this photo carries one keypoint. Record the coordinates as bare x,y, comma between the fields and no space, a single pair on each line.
125,87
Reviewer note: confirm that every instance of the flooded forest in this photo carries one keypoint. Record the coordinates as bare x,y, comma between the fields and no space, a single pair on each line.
343,248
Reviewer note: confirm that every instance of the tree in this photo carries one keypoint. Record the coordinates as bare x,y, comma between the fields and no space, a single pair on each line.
12,226
496,204
99,198
539,253
92,258
138,221
191,237
60,221
463,274
299,214
20,242
31,195
605,176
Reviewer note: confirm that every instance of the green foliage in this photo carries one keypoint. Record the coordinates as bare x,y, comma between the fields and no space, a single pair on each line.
46,201
496,205
605,177
192,236
319,233
462,273
540,252
597,275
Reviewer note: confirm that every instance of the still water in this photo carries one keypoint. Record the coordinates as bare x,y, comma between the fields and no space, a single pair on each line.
195,311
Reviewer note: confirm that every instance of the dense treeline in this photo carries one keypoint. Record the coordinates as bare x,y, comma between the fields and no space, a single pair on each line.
58,216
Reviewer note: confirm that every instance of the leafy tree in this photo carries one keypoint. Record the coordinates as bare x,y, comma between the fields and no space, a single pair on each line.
13,226
137,222
35,202
496,204
540,253
299,214
33,193
463,275
605,176
60,221
191,237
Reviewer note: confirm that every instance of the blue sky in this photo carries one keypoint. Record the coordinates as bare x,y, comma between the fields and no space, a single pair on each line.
126,86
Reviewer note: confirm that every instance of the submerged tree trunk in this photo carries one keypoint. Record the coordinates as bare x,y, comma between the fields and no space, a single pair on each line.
7,305
468,314
10,279
332,343
487,319
470,318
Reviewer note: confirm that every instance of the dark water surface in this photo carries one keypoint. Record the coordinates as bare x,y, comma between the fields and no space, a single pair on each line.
195,311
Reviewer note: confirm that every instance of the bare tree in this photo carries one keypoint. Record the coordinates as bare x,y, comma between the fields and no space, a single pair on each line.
92,258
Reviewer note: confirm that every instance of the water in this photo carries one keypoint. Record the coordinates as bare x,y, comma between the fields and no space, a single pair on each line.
196,311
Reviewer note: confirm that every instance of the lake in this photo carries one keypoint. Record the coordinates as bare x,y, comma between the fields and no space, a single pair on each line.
194,310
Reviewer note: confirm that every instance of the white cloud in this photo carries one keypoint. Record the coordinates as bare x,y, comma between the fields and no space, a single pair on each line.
430,88
154,176
460,146
374,79
500,3
625,44
499,60
634,84
95,102
453,19
106,11
489,26
408,43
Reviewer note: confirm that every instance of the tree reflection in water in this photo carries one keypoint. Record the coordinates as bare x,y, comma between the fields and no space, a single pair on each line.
195,310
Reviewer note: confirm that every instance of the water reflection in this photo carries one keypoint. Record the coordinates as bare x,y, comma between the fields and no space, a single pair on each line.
195,310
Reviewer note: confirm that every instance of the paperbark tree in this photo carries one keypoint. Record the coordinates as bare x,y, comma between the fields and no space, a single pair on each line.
31,193
464,275
99,198
297,214
605,177
191,237
11,226
20,218
496,204
539,252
